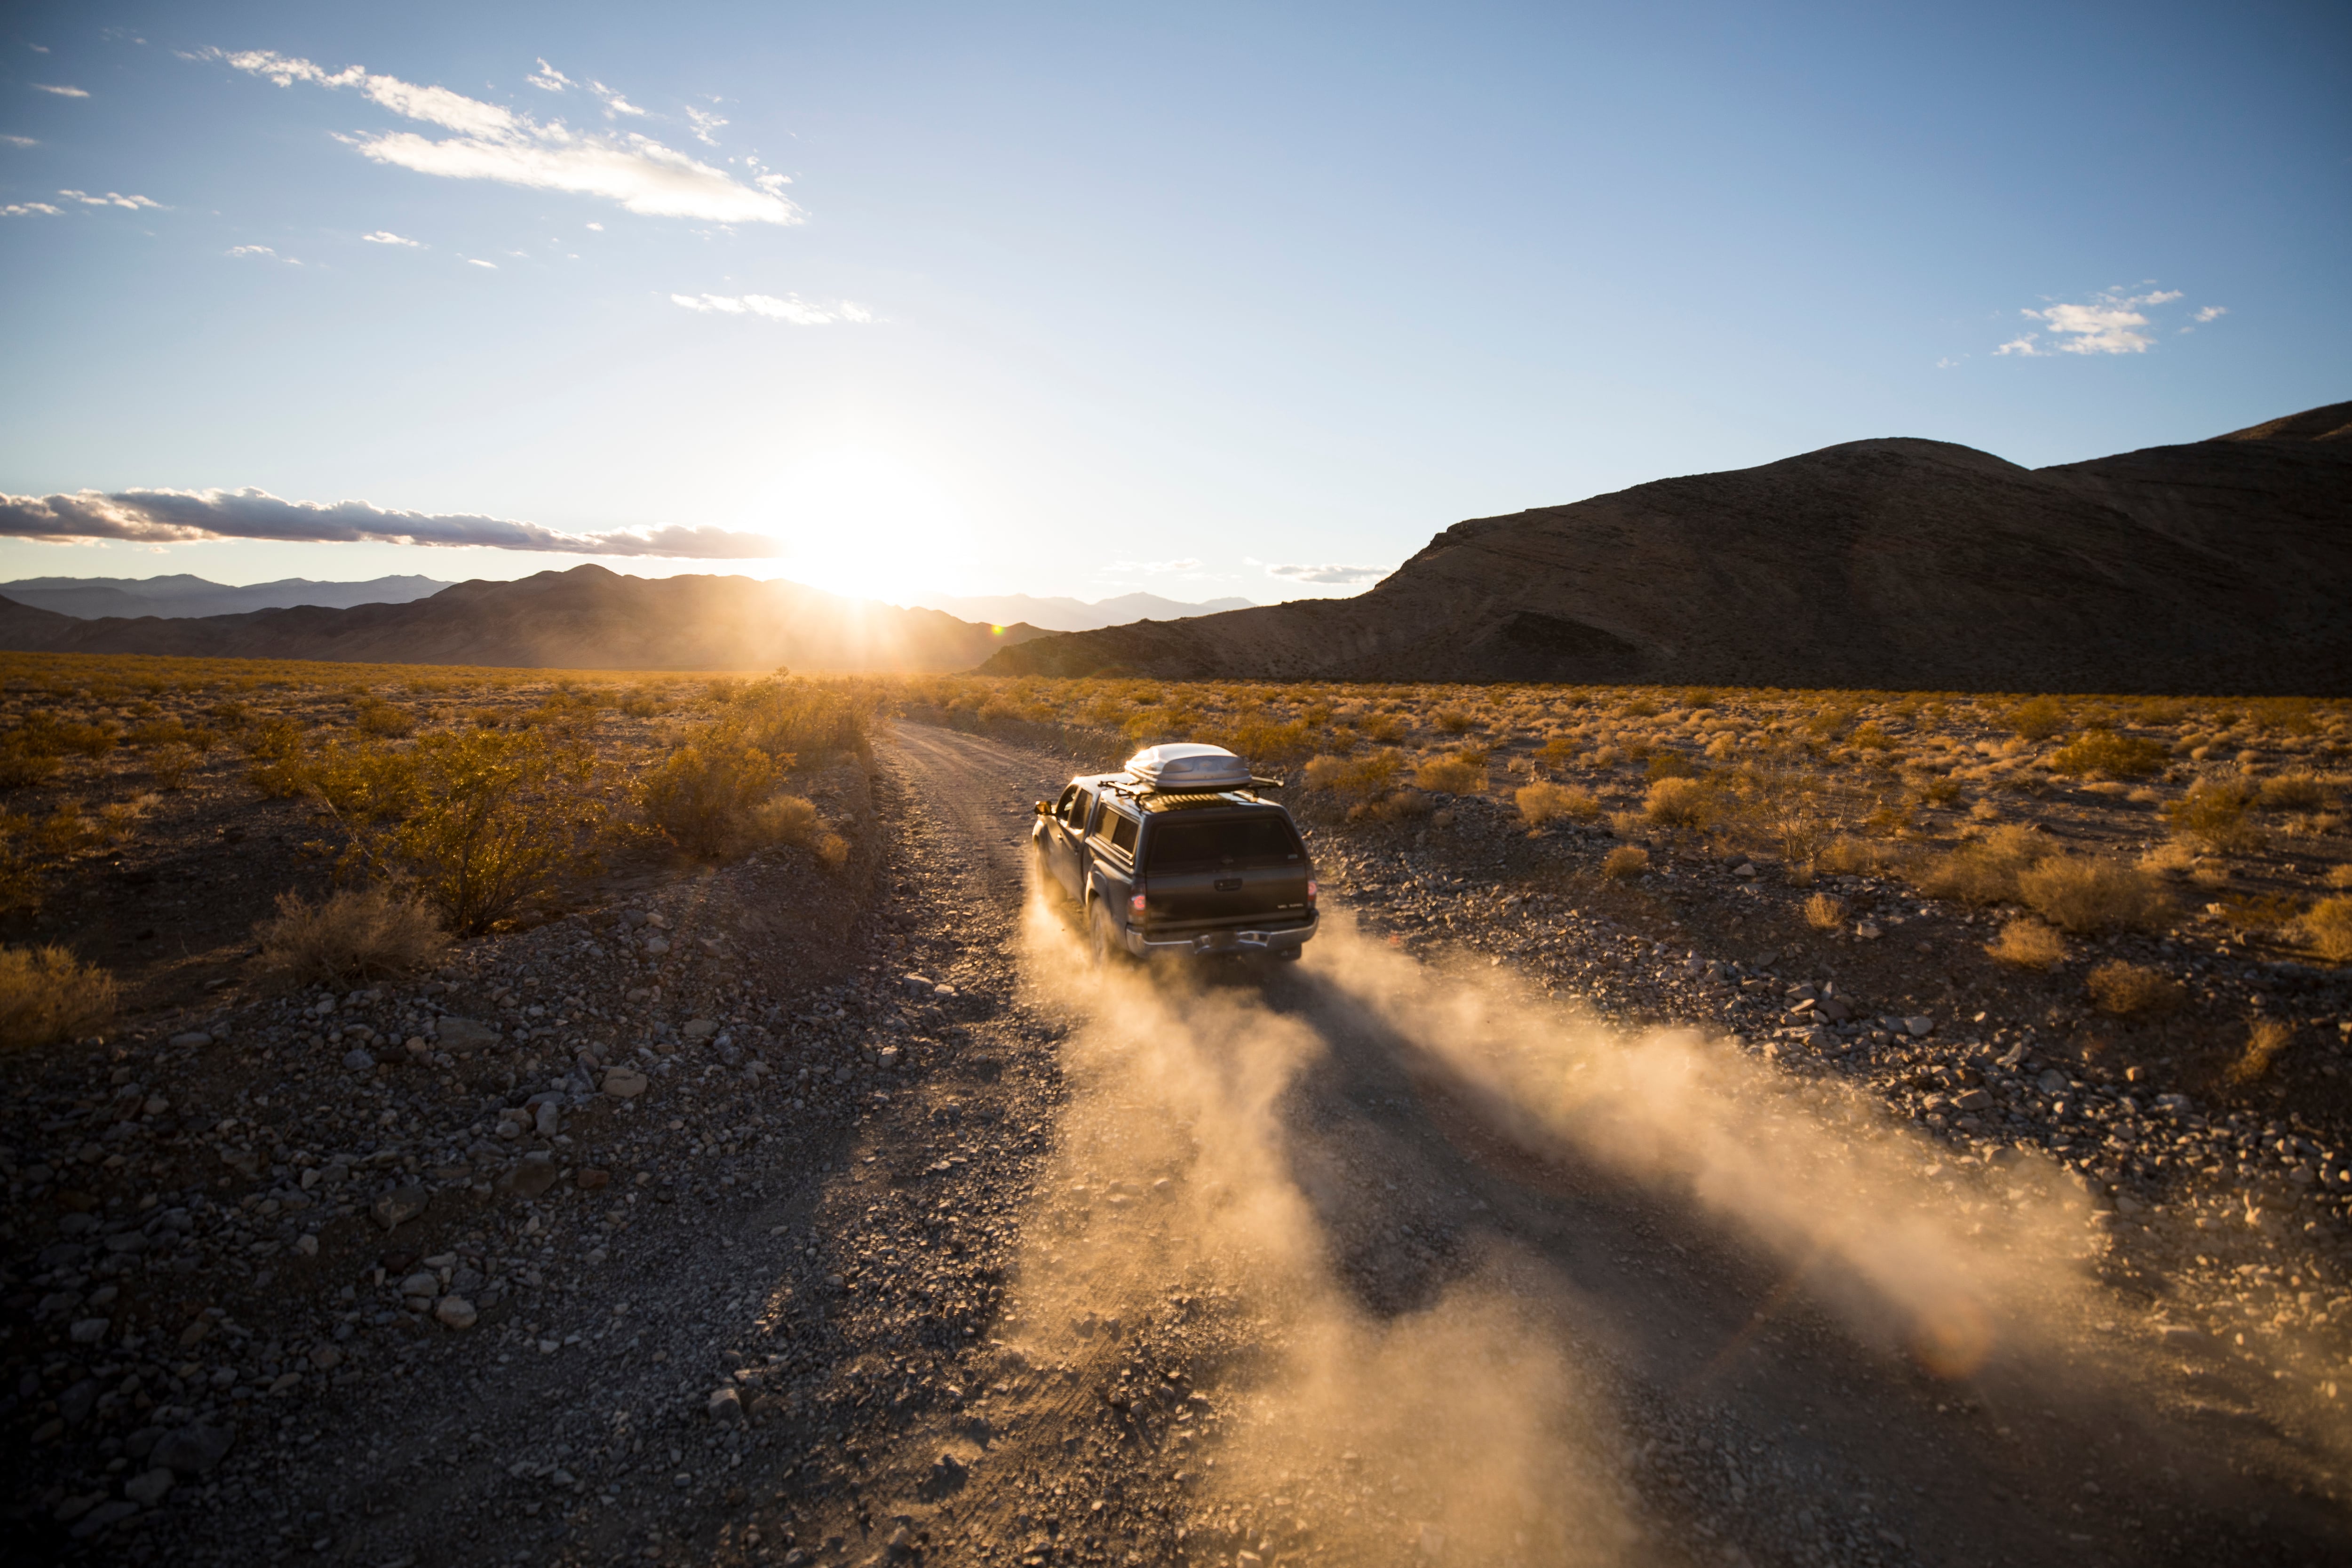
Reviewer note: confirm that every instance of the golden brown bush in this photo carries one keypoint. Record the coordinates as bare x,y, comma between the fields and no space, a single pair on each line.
1823,912
1848,855
1625,862
379,718
2215,812
170,765
2327,926
47,994
1451,775
1542,802
1398,806
2080,893
1357,778
2265,1039
1985,872
2299,791
832,851
2104,752
2124,990
2028,945
1453,721
1669,765
2037,718
1679,803
351,933
701,796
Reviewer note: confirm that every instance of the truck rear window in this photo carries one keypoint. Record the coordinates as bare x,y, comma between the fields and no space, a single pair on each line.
1239,842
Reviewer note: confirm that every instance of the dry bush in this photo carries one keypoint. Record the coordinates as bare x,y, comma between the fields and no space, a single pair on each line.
2215,812
1541,803
2128,990
20,767
1398,805
702,796
353,933
2327,926
783,819
1985,872
276,751
1453,721
2028,945
2037,719
832,851
1669,765
1359,778
47,994
2105,752
117,820
1451,775
2079,893
1558,750
2297,791
1607,756
1678,802
1386,729
1823,912
1625,862
2265,1038
170,765
2171,858
1847,856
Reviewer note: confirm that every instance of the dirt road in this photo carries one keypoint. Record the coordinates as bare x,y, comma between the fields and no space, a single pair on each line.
987,1255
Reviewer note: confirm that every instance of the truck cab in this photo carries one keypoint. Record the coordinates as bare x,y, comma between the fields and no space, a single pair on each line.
1180,855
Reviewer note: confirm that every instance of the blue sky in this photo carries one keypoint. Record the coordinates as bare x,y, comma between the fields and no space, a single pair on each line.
1080,299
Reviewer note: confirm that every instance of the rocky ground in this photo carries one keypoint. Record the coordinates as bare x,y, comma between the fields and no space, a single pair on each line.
765,1216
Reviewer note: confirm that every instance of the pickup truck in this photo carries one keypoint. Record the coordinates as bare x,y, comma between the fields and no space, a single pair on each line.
1179,855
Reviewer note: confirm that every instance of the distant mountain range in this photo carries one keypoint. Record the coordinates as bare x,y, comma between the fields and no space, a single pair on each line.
91,598
586,618
1056,615
2223,565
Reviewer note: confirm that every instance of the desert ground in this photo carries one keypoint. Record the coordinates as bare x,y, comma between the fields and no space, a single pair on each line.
1713,1126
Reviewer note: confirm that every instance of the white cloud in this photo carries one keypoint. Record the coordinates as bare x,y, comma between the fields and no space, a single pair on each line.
39,49
597,226
26,209
19,141
250,250
2112,321
704,123
60,91
1330,574
385,236
614,102
477,261
501,144
791,308
176,517
111,199
2210,314
547,78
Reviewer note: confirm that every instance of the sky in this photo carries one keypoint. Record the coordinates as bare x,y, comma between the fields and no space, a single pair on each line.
1205,300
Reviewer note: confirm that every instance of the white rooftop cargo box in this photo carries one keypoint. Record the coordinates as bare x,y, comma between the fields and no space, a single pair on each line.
1188,766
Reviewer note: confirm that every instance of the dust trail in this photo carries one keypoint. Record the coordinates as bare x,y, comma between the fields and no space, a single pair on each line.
1460,1427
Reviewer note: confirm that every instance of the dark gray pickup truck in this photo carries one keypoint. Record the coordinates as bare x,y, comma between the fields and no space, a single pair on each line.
1180,855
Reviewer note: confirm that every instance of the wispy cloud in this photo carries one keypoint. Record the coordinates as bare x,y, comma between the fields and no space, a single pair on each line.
791,308
26,209
111,199
2210,314
1329,576
2112,321
491,142
614,102
704,123
477,261
60,91
546,78
250,250
180,517
385,236
19,141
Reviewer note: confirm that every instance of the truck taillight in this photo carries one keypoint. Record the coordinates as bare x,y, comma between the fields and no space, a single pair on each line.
1135,900
1314,891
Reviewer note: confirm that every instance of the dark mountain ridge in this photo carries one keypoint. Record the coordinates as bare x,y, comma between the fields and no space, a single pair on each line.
2219,565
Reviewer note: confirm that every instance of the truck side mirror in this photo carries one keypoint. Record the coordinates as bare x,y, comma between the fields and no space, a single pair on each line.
1044,810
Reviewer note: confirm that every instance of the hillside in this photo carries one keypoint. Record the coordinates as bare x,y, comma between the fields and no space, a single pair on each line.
1066,615
2224,565
181,594
586,618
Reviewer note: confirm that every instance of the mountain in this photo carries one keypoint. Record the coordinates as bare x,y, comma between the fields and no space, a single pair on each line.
586,618
1069,614
90,598
2223,565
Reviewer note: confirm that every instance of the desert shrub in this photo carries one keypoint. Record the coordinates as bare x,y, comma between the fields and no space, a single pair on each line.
117,820
1848,855
1871,738
702,796
1451,775
832,851
2028,945
43,734
1625,862
2265,1039
2037,718
2215,811
353,933
1558,750
2327,926
47,994
2297,791
499,819
1266,742
376,717
1823,912
1398,806
1794,809
792,718
783,819
1541,803
1678,802
160,732
1669,765
1985,872
1698,698
1358,778
170,765
1453,721
2124,990
1385,728
20,766
2105,752
276,752
2078,893
1934,791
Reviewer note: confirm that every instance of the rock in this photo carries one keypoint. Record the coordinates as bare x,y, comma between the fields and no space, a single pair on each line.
423,1283
916,985
1921,1028
77,1402
626,1083
461,1036
105,1516
456,1312
2178,1334
725,1406
699,1028
326,1358
529,1176
400,1206
2052,1082
1745,869
357,1061
90,1331
191,1040
148,1488
547,1121
1865,931
1974,1100
887,1057
306,1246
193,1449
657,945
589,1179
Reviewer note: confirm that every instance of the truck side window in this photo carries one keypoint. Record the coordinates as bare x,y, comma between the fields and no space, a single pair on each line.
1067,803
1123,832
1075,809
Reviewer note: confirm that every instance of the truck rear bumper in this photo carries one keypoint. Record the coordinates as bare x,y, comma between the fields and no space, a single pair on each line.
1228,942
